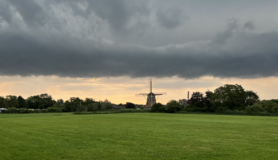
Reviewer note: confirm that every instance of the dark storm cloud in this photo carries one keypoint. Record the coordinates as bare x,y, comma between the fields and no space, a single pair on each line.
250,25
71,50
170,18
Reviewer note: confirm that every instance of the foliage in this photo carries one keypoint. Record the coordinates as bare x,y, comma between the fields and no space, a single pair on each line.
106,105
231,97
21,102
269,106
251,98
129,105
40,101
196,97
156,107
92,107
207,101
199,105
80,108
21,110
11,102
254,109
2,100
173,106
72,103
11,110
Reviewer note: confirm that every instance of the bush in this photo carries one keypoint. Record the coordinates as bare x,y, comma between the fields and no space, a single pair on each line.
269,106
254,109
22,110
173,107
106,106
11,110
198,105
156,107
162,109
45,110
92,107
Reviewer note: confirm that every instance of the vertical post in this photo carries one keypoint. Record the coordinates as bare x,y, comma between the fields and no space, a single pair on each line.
151,86
188,96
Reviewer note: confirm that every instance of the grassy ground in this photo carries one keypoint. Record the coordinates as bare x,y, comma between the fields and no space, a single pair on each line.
137,136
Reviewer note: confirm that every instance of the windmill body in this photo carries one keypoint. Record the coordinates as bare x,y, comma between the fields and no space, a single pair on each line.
151,97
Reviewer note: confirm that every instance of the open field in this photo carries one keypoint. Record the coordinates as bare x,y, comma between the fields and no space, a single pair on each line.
137,136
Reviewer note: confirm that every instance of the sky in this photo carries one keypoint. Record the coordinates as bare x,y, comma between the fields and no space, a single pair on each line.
109,49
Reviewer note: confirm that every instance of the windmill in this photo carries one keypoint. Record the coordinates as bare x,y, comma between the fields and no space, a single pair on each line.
150,96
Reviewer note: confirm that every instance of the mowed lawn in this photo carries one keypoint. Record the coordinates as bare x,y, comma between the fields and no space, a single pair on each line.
137,136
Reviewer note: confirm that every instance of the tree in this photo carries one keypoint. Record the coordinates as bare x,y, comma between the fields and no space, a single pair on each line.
130,105
156,107
251,98
11,102
173,106
89,101
40,101
21,102
231,97
196,97
2,100
207,101
72,103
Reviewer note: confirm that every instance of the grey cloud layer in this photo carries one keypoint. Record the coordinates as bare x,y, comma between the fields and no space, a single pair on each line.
100,38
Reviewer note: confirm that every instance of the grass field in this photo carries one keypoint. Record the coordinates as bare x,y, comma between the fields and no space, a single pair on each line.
137,136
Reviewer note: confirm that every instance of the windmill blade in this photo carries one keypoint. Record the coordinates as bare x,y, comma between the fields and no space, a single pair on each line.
142,94
160,93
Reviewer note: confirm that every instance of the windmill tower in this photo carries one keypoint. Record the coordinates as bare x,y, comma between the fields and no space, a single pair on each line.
150,96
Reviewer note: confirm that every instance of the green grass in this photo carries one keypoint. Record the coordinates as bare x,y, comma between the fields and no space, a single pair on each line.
139,136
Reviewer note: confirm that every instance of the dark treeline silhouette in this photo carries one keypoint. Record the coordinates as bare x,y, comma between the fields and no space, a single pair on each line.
45,103
231,99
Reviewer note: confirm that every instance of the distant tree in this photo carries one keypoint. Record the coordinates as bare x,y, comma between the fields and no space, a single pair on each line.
173,106
72,104
89,101
130,105
251,98
40,101
207,100
2,100
196,97
198,105
156,107
230,97
21,102
60,101
11,102
92,107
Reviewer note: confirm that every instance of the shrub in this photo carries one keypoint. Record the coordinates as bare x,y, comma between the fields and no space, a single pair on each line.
22,110
269,106
173,107
106,106
156,107
254,109
92,107
45,110
11,110
198,105
162,109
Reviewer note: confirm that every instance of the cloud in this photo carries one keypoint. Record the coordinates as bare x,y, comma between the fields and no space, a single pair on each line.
100,39
250,25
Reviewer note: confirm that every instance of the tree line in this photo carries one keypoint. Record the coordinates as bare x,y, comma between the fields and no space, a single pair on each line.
227,98
46,103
